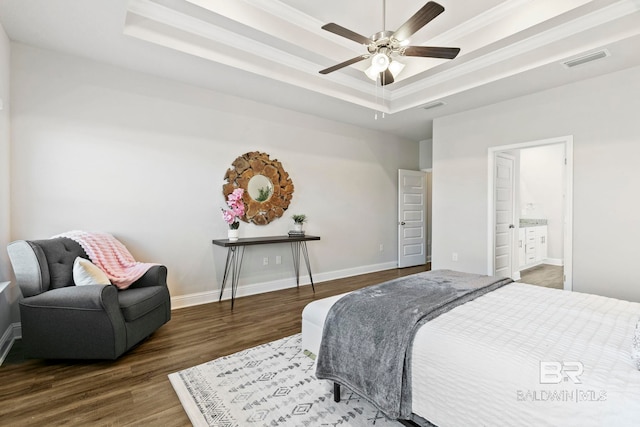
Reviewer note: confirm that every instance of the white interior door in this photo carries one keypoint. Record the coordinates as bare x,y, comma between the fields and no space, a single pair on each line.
567,246
504,202
411,218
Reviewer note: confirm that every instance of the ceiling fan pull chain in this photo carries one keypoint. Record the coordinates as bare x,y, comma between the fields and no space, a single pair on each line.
375,97
381,95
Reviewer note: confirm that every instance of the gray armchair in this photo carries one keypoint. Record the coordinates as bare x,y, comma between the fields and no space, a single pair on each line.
64,321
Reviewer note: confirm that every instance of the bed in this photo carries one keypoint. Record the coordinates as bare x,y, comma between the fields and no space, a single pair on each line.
520,355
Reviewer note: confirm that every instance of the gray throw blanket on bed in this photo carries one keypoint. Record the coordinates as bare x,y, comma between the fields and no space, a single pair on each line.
368,334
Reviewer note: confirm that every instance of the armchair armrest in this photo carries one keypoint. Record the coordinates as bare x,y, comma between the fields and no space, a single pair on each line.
74,322
91,297
155,276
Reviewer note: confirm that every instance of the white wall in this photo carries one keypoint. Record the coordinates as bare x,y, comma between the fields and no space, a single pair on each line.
542,186
9,294
602,116
5,100
102,148
426,154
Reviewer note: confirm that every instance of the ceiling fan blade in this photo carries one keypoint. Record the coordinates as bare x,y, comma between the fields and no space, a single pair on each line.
386,78
344,64
421,18
432,52
344,32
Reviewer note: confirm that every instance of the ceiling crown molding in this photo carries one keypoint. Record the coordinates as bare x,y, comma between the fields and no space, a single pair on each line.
478,22
175,27
277,58
519,44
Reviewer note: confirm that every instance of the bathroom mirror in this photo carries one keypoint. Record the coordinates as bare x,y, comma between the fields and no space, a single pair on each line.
268,189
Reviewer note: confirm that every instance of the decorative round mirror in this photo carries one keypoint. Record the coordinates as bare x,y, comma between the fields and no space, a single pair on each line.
268,190
260,188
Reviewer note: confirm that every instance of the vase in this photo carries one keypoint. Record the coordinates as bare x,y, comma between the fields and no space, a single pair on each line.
233,234
297,226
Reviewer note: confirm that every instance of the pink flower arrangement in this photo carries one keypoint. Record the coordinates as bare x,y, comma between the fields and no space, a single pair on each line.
236,209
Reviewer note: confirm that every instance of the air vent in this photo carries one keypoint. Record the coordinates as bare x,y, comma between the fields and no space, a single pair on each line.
434,104
593,56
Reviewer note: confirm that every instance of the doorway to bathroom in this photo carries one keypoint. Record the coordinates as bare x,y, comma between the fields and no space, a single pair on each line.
530,212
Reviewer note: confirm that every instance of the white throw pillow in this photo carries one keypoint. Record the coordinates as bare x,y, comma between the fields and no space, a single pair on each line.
87,273
635,349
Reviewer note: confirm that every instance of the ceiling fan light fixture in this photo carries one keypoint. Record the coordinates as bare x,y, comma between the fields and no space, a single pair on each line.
380,62
396,68
371,73
385,44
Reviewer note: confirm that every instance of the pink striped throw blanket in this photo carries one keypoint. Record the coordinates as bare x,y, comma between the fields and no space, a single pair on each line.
110,256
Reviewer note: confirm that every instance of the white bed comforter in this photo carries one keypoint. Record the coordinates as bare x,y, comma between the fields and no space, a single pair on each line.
479,364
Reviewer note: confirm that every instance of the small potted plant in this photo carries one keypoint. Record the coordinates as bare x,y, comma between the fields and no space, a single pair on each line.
298,221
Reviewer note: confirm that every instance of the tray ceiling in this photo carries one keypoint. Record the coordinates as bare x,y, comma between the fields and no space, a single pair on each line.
271,51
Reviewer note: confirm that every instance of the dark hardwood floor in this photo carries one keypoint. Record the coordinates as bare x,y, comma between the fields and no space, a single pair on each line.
135,390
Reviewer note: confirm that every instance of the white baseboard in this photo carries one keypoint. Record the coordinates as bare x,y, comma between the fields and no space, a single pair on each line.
275,285
13,332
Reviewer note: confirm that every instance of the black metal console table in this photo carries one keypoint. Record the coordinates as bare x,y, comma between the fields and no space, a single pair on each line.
235,253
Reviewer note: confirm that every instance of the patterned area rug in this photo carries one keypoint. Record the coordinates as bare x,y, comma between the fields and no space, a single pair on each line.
270,385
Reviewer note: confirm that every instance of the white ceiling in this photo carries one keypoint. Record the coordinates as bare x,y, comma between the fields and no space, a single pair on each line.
271,51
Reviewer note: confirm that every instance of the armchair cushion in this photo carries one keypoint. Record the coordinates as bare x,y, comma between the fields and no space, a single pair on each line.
135,303
59,255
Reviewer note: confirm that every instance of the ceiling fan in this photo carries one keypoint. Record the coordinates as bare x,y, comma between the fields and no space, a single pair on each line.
385,46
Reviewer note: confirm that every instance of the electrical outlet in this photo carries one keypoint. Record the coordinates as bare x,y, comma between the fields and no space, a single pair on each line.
454,256
381,247
265,261
278,259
